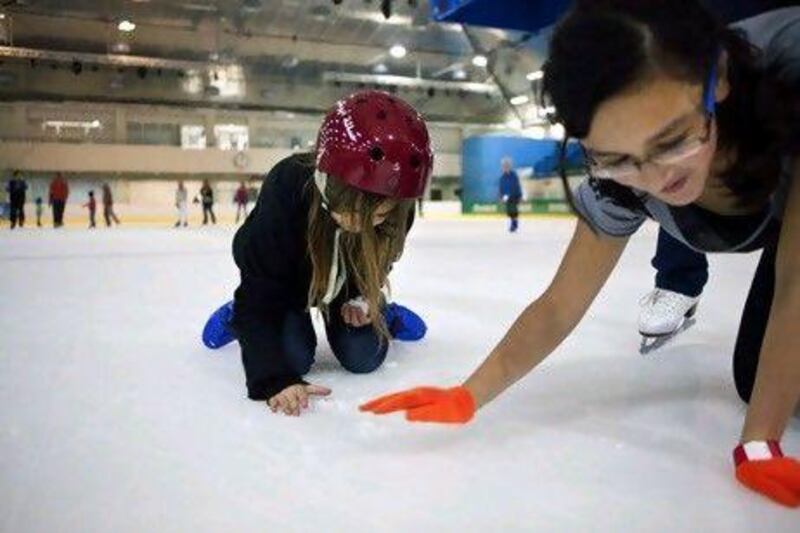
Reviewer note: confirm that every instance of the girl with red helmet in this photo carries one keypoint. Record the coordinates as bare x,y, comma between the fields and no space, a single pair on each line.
324,233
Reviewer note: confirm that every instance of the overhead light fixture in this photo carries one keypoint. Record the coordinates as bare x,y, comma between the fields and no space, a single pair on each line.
380,68
126,26
533,76
480,61
519,99
2,16
459,74
398,51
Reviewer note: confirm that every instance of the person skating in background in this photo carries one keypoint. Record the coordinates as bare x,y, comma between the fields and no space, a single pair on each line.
694,125
16,196
241,198
39,211
324,233
510,193
108,206
92,205
59,192
207,200
182,205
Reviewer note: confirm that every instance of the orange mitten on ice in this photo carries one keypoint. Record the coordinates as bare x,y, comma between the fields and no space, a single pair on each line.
761,466
427,404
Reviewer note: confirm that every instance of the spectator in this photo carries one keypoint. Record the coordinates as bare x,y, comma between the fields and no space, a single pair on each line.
241,198
16,196
207,197
108,206
510,192
39,211
92,205
59,192
182,204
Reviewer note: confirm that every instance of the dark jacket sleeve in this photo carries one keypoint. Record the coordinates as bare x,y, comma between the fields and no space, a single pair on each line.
265,250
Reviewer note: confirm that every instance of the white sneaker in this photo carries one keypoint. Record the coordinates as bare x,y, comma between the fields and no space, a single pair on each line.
663,312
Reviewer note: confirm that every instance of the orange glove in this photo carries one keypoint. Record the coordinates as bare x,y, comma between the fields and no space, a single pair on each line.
427,404
761,467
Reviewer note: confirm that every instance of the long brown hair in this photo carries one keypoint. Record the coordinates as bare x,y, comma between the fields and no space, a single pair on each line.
368,253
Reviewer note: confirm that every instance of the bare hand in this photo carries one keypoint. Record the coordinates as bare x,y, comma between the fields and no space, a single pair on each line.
354,315
294,398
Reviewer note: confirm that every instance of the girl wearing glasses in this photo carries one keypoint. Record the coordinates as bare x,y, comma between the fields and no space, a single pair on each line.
695,126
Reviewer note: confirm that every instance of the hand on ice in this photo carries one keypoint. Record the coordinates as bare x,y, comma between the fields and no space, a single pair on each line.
427,404
294,398
761,467
356,313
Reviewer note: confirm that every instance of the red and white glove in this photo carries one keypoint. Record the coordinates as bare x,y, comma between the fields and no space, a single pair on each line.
761,466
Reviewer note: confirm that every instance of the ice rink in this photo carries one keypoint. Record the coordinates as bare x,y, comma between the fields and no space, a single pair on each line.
114,417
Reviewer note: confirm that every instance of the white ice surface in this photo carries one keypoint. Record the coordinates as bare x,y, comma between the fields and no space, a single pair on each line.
113,417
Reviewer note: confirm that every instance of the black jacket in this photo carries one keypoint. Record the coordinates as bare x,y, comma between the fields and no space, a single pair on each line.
270,251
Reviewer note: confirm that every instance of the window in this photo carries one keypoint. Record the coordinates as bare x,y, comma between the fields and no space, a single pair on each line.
231,136
193,137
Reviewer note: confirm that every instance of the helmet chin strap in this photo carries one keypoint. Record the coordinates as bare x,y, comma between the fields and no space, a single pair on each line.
338,272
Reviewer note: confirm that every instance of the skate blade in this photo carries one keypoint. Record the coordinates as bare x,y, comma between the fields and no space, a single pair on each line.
654,342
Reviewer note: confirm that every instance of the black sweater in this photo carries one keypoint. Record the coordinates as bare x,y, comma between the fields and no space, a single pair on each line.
270,251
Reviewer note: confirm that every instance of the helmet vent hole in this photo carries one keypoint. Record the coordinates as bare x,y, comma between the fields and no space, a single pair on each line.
376,153
381,115
415,161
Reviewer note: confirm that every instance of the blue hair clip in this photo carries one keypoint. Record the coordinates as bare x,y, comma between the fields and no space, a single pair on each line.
710,97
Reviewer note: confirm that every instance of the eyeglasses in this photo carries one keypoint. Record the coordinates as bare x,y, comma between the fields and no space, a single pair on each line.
685,149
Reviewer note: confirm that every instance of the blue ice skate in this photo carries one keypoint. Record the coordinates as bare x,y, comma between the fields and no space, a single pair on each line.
404,324
217,331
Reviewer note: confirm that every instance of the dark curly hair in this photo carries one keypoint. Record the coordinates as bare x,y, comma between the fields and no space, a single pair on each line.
603,47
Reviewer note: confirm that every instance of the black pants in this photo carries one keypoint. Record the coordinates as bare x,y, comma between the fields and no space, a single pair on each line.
754,323
512,208
207,211
679,268
17,214
92,222
58,213
109,215
359,350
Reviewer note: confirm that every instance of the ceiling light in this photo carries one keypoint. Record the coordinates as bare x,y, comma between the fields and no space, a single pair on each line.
380,68
398,51
519,99
2,16
126,26
459,74
480,61
533,76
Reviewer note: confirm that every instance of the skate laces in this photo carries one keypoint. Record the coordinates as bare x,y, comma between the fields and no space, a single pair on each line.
661,300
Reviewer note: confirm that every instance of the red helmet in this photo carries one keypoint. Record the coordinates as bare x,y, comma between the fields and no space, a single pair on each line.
373,141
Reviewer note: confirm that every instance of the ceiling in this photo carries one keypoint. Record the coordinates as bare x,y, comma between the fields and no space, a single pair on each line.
259,54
